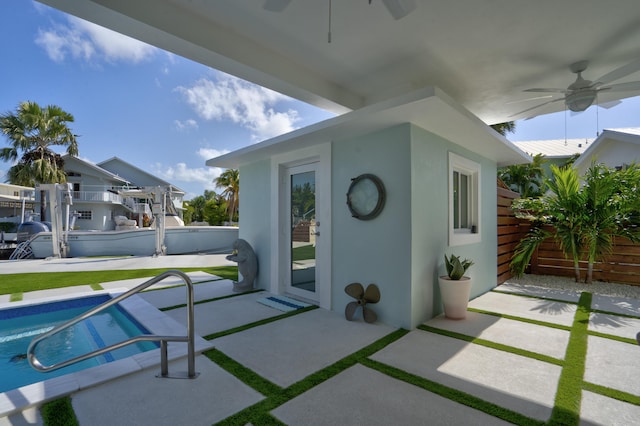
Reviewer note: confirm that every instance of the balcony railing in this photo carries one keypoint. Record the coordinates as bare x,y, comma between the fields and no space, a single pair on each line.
97,196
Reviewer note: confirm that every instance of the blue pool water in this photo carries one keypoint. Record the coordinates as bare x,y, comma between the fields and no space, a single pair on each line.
18,326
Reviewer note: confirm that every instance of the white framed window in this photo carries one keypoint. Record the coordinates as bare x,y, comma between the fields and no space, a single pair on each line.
464,201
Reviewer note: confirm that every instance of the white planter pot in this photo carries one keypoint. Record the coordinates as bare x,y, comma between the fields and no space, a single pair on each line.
455,296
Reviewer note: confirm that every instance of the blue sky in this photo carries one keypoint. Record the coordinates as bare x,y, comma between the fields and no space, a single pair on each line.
166,114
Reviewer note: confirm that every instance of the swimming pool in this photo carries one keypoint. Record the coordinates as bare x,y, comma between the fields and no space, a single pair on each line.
18,326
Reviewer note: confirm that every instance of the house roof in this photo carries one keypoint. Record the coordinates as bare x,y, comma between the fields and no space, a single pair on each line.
120,161
565,148
483,53
97,169
428,108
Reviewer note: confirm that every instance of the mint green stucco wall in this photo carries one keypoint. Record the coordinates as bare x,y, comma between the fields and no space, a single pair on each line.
255,215
430,218
379,250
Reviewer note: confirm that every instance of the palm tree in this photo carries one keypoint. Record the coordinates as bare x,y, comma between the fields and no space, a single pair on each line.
526,179
32,131
563,209
612,204
503,128
584,218
230,181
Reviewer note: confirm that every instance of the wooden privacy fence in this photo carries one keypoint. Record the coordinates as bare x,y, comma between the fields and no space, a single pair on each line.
621,266
510,231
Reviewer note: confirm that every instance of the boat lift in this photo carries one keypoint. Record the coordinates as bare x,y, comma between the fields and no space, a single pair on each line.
60,199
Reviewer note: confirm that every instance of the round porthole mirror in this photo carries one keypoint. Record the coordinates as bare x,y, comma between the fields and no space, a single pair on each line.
366,197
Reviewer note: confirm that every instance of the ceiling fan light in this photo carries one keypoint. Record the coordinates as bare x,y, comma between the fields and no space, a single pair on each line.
580,100
399,8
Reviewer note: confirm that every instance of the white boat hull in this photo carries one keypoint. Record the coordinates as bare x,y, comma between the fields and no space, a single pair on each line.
140,242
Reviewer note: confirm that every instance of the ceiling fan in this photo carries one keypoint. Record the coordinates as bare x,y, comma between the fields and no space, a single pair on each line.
397,8
581,93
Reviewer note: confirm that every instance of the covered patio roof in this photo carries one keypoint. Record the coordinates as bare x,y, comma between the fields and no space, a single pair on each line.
483,53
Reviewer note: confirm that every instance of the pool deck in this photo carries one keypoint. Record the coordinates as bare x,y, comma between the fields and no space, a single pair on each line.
502,364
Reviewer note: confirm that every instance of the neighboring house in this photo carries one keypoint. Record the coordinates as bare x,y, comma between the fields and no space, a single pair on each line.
97,192
438,166
13,198
142,178
612,148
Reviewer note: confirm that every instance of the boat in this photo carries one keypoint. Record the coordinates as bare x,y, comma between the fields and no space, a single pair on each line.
139,242
166,235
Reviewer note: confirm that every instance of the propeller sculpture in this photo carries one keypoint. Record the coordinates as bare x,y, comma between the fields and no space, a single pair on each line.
363,297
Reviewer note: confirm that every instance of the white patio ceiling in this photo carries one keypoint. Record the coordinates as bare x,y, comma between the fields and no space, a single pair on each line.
483,53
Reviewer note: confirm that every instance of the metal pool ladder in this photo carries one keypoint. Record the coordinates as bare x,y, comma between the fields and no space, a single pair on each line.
164,368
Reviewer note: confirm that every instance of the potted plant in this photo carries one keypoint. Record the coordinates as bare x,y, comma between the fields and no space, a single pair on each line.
455,287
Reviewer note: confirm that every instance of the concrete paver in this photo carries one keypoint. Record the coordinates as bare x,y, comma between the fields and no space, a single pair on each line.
521,384
289,349
363,396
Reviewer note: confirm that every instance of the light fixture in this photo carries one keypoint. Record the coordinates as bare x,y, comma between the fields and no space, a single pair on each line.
399,8
580,100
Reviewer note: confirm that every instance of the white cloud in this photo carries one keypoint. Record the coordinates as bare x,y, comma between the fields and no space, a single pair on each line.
186,125
208,153
182,173
241,102
89,42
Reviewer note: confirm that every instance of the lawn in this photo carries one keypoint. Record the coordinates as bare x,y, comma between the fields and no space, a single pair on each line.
20,283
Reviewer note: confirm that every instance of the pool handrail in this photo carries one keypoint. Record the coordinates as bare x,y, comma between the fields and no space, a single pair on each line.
164,369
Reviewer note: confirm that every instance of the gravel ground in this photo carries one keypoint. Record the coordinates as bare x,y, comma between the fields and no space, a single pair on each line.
565,283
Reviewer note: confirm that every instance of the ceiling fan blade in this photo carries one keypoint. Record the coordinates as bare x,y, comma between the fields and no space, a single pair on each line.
546,90
372,294
354,290
350,310
618,73
399,8
611,104
537,106
275,5
369,315
622,87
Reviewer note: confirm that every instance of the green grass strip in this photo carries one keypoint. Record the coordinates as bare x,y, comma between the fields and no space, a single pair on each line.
452,394
247,376
96,287
59,413
612,393
492,345
16,297
14,283
258,323
522,319
258,414
184,305
566,410
613,337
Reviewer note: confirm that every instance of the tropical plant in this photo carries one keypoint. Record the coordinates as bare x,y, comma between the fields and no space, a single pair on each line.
456,268
612,205
525,179
32,131
230,181
582,217
503,128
